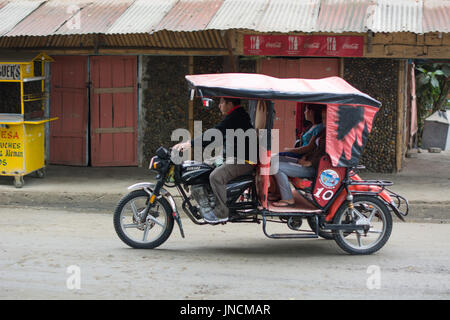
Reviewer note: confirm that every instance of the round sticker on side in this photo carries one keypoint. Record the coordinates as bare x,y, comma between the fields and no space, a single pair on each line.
329,178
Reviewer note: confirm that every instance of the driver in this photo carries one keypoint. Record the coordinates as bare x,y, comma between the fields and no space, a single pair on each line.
235,117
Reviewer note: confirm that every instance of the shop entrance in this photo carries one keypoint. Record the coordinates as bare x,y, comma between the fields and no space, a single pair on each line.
96,100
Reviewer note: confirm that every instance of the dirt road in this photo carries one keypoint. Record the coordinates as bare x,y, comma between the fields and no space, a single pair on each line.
54,254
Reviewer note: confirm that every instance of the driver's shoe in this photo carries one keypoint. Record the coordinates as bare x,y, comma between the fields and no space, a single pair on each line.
211,218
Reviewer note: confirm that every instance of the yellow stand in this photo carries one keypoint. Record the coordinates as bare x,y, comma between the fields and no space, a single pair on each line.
22,135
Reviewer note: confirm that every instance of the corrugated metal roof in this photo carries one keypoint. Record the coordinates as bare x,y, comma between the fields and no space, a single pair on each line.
3,3
436,16
96,17
289,15
343,15
198,23
239,14
190,15
36,23
14,12
396,16
142,17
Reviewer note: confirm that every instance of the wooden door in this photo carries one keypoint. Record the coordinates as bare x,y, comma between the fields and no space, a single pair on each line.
69,102
285,110
316,68
309,68
113,111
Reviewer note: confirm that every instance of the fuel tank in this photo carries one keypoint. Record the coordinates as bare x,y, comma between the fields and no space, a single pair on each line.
195,172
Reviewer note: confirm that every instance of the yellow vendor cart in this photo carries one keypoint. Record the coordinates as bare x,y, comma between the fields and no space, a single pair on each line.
22,118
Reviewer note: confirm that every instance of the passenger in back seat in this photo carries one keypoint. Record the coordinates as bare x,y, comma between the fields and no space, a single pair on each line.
304,168
313,114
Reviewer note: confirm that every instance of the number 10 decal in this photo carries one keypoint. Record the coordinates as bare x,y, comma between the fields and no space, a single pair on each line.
327,195
328,181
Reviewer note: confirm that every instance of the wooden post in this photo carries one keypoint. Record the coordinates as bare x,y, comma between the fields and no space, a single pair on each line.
341,68
229,41
399,143
191,104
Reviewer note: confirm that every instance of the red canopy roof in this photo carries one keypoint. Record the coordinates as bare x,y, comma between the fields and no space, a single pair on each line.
350,113
259,86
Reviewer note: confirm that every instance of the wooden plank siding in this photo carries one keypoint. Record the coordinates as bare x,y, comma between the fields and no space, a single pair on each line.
114,111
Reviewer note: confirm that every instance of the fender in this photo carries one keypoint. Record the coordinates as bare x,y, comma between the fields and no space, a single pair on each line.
149,187
361,188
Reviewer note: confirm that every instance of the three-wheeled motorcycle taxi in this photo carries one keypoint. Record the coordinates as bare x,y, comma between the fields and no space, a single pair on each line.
336,204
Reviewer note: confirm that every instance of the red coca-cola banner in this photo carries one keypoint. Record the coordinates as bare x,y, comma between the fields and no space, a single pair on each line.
286,45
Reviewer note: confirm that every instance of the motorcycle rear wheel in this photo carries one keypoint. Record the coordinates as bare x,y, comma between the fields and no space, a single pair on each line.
377,215
135,233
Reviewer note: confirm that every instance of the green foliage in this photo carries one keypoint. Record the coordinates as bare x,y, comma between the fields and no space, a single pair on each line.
432,88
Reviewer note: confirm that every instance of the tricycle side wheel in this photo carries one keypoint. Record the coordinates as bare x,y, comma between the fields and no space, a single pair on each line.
368,211
19,182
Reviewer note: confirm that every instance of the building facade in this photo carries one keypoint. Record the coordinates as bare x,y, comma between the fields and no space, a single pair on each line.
117,83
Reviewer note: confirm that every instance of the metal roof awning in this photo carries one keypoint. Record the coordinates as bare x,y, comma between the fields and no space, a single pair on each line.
436,16
141,17
203,23
60,17
13,12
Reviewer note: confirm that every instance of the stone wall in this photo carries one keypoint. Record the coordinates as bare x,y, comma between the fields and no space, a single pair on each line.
204,65
378,78
166,98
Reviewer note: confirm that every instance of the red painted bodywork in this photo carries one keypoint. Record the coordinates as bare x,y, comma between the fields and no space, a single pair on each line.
361,188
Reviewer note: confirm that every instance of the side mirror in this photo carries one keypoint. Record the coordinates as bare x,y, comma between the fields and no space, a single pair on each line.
208,103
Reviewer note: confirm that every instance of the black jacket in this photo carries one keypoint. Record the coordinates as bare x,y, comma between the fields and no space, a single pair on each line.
237,119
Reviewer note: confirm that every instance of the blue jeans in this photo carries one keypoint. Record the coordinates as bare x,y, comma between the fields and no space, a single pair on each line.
290,169
290,154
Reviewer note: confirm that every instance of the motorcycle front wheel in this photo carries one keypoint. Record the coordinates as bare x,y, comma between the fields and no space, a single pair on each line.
370,212
138,234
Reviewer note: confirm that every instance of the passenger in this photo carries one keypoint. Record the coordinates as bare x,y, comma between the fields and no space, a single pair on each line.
304,168
313,115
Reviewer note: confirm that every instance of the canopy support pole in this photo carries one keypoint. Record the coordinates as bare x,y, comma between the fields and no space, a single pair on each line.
191,104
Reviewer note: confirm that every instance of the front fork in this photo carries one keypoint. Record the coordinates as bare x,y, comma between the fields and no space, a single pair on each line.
155,191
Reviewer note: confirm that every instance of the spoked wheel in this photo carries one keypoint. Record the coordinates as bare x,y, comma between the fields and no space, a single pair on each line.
148,234
370,212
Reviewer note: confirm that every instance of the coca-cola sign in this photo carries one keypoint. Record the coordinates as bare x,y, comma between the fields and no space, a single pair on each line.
286,45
